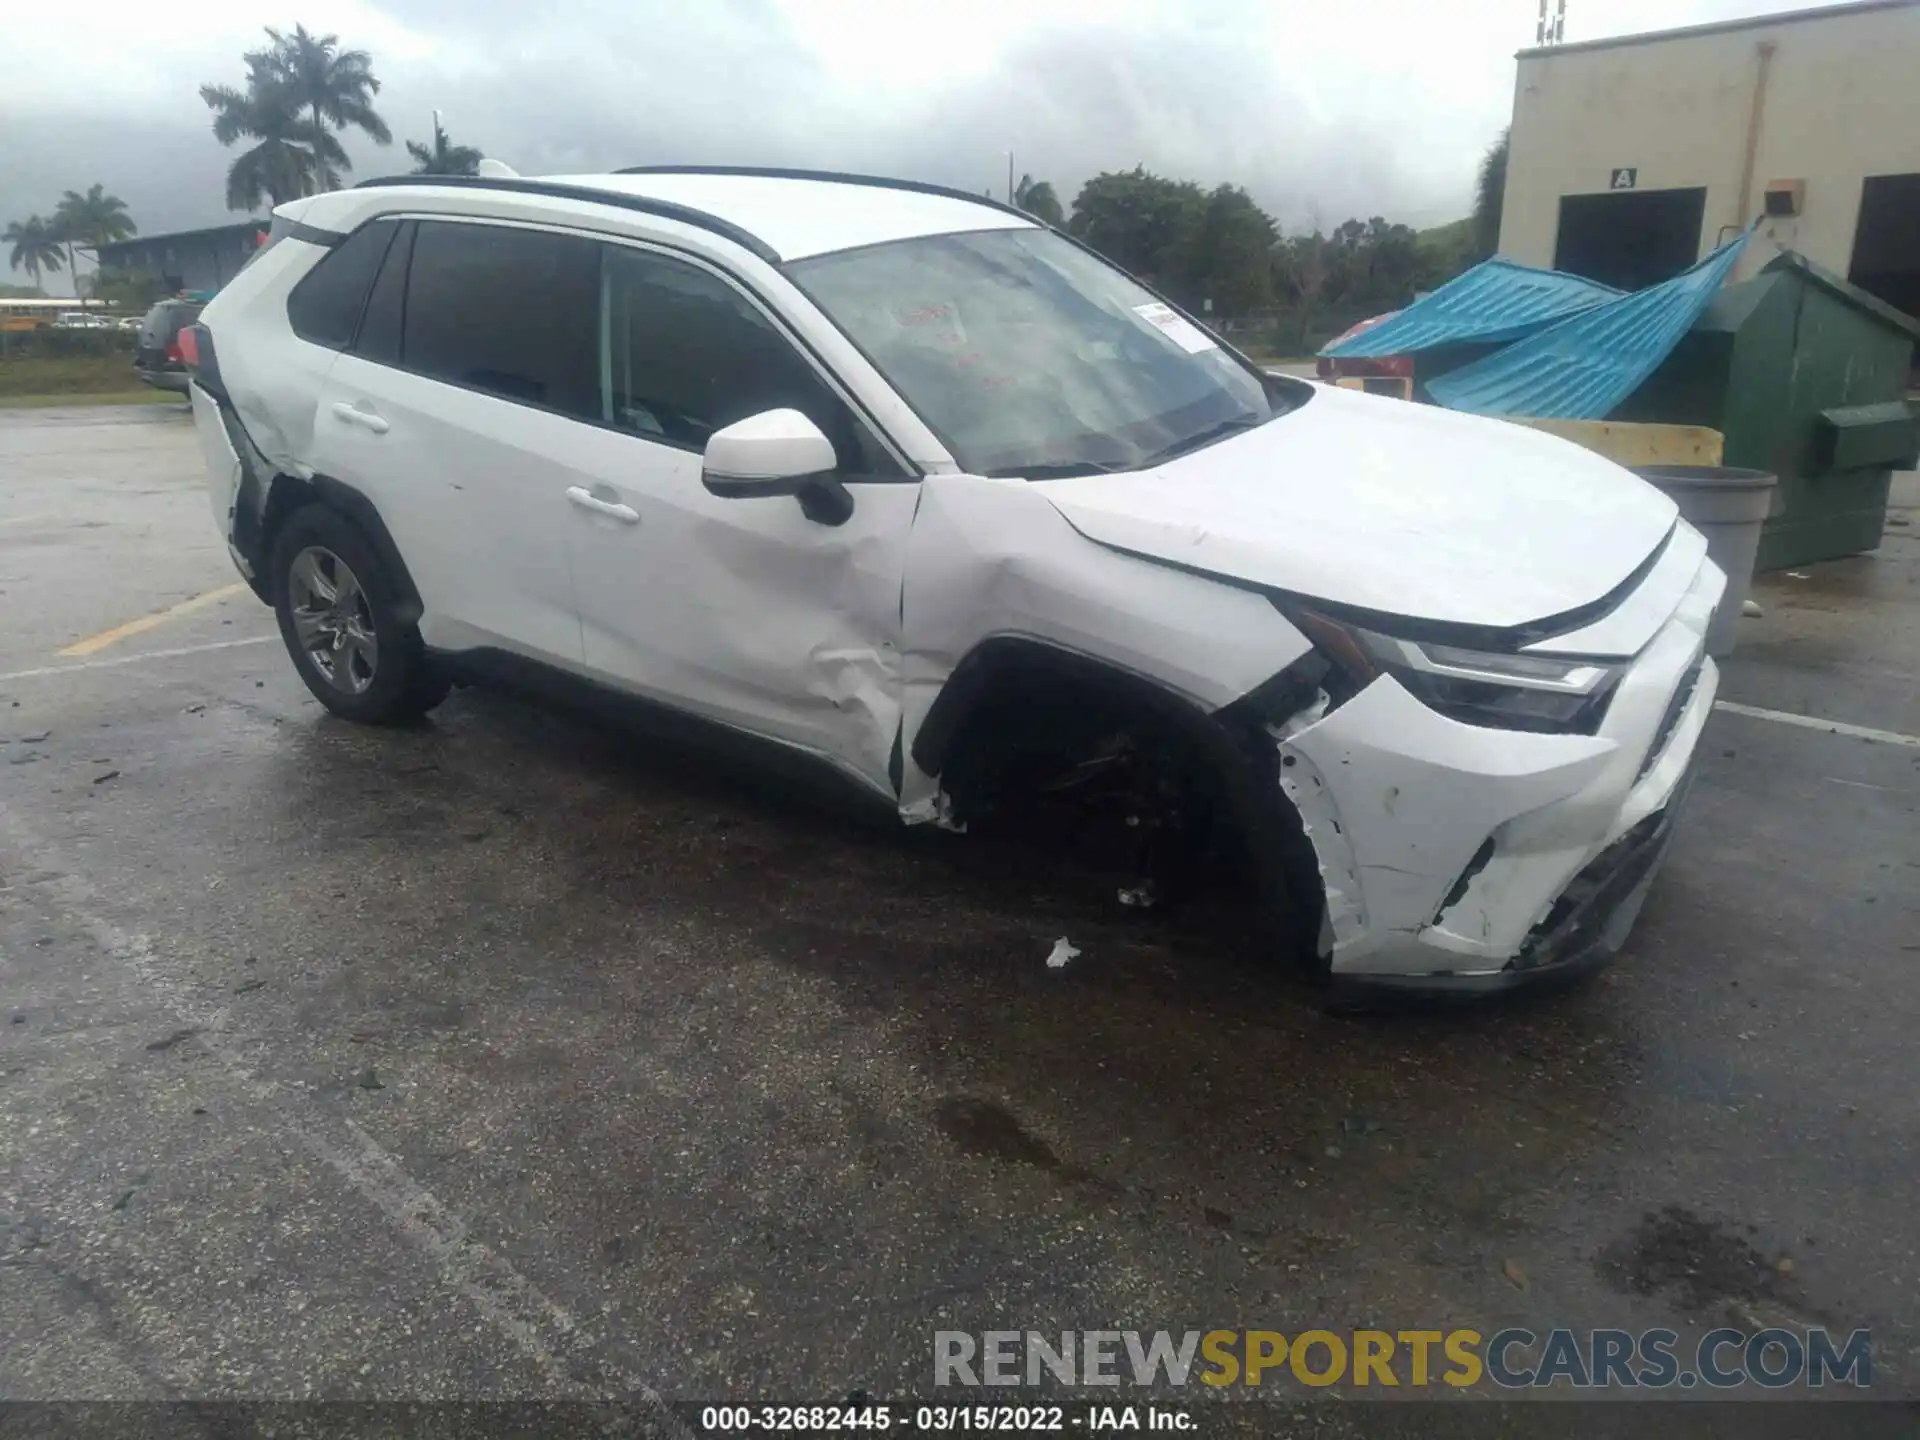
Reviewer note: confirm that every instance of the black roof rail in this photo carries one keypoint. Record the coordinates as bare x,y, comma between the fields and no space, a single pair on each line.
837,177
666,209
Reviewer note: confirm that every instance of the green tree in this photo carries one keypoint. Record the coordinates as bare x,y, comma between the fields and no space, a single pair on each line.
36,248
86,222
1229,260
1143,222
1038,199
334,87
443,157
289,153
1489,195
129,289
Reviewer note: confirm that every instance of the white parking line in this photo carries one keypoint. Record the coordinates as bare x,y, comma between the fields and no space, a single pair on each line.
136,659
1814,722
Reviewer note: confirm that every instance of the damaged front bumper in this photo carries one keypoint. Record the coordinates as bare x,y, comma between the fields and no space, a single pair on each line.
1463,859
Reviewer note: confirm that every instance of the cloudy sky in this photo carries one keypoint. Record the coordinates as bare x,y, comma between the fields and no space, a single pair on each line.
1322,109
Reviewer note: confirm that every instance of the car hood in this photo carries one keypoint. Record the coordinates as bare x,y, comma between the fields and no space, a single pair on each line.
1385,505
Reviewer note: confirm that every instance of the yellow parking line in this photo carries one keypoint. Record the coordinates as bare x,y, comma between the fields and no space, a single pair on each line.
94,644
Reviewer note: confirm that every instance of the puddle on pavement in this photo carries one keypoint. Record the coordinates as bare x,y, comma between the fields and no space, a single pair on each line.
1699,1261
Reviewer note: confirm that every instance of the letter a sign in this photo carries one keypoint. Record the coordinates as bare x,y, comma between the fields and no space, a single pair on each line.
1624,179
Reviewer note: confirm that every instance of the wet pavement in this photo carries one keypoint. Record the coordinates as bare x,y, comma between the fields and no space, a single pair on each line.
518,1056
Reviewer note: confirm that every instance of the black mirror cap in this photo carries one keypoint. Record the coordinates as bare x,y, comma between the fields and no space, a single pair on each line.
823,498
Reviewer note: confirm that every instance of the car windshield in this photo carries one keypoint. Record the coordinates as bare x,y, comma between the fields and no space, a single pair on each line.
1028,356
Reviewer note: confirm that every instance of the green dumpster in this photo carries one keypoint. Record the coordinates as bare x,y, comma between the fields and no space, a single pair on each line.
1805,375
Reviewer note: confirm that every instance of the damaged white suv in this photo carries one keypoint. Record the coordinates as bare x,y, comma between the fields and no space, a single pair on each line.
900,481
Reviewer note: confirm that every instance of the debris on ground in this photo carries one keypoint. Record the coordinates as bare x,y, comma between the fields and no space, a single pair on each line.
369,1081
169,1041
1063,952
1516,1277
36,739
1751,609
110,775
247,986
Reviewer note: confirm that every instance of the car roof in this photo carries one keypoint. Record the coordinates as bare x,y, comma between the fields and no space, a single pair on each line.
791,213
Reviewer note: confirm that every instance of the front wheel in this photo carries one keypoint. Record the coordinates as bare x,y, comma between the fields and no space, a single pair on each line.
335,604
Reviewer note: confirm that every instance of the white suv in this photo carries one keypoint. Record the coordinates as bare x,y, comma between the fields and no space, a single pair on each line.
903,482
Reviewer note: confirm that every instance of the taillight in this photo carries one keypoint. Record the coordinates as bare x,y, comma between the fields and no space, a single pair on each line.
186,347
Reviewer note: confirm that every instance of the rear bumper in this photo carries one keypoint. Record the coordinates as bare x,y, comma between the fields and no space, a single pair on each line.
164,379
1460,860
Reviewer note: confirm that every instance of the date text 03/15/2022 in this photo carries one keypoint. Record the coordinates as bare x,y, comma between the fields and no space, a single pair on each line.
914,1418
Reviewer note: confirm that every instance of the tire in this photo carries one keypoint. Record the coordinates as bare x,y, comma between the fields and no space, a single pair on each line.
335,604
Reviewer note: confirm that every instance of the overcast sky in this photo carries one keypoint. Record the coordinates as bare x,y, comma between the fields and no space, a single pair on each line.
1321,109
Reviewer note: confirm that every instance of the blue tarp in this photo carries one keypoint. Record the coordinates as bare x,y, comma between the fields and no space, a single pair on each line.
1582,367
1494,301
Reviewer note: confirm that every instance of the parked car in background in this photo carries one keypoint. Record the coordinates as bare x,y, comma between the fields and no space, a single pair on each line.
157,356
83,320
894,479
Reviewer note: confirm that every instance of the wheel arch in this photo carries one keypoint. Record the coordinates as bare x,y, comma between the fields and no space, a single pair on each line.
285,494
1241,760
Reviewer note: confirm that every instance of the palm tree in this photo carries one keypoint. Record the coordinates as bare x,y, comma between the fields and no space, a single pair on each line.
292,151
35,247
443,157
1489,195
87,222
1036,197
335,87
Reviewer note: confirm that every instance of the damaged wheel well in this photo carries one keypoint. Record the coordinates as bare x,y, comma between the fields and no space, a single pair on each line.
287,494
1020,719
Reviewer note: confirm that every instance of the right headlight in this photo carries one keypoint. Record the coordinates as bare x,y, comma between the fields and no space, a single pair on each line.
1476,687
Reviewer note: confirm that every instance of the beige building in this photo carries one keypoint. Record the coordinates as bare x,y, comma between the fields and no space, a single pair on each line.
1632,158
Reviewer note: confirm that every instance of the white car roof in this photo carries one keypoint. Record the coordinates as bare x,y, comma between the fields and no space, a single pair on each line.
798,215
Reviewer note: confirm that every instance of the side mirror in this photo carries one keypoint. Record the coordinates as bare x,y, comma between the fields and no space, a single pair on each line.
777,452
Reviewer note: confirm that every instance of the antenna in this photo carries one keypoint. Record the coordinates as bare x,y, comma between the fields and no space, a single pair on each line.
1552,27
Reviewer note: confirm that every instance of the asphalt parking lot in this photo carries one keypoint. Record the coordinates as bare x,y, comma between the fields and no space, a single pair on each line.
511,1056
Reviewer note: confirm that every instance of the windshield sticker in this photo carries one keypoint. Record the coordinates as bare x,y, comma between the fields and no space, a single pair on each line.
1177,328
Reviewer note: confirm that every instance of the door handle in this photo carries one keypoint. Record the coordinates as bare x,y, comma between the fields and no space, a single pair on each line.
587,500
354,415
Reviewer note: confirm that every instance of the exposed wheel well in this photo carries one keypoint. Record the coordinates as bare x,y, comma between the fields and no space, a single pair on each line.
1020,717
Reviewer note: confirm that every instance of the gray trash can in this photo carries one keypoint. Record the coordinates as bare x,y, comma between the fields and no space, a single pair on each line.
1728,506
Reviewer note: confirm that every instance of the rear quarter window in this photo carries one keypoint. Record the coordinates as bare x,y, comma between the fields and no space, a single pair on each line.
325,306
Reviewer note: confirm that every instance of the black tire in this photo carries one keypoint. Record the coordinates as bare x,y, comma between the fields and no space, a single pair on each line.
395,684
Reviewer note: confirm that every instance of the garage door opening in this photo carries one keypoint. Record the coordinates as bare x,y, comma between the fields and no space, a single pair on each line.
1630,239
1886,246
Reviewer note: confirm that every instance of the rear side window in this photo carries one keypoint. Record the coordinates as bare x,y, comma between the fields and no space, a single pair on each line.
505,311
325,306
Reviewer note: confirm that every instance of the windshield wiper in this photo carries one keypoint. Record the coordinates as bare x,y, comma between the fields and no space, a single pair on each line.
1060,470
1203,439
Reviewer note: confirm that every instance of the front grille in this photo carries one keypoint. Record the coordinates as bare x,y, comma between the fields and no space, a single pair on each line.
1676,707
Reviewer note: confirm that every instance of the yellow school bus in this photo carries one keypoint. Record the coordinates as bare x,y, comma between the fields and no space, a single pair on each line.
21,314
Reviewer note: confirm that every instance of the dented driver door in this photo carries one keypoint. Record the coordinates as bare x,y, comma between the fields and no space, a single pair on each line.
744,612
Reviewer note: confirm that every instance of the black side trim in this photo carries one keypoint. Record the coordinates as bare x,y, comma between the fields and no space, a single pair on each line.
585,194
798,772
313,234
